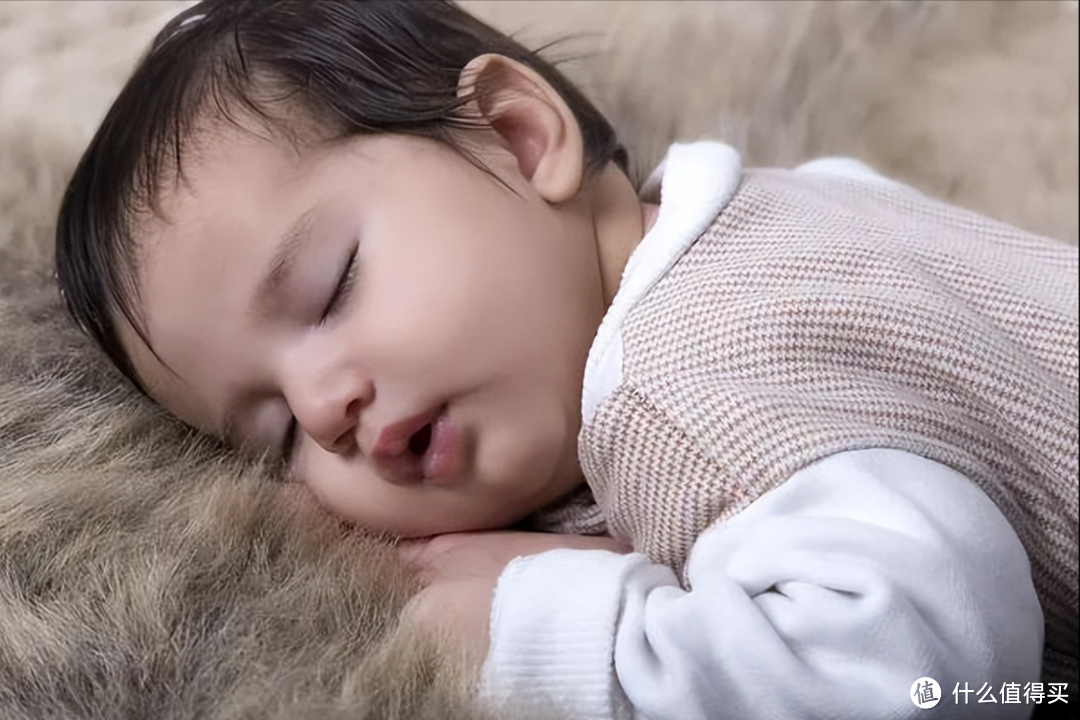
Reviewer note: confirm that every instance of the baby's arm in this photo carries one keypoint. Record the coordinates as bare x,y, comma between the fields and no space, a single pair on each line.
828,598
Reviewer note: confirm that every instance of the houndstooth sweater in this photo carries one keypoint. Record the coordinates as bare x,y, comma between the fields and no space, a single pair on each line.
820,315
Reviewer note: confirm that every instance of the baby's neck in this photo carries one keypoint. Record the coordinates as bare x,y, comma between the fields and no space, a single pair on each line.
620,221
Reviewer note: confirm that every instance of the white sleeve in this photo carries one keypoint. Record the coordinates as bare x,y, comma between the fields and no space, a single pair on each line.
827,598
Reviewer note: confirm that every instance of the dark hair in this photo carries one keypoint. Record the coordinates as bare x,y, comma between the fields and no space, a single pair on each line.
366,66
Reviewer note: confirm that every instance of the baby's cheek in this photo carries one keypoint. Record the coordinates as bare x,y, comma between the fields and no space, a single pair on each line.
327,481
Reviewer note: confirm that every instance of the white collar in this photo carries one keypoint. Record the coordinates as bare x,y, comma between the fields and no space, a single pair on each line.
696,181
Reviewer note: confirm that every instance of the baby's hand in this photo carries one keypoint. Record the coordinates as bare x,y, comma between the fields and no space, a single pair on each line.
460,570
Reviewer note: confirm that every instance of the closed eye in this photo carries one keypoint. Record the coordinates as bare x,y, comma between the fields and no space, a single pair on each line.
345,283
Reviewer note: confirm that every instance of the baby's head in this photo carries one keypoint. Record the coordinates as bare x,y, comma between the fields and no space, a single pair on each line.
374,239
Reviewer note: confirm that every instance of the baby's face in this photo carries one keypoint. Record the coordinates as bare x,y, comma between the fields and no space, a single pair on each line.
408,332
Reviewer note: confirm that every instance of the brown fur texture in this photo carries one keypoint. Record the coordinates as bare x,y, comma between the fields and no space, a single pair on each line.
144,572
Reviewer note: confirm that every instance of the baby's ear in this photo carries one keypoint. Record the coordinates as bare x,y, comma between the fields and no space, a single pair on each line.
531,119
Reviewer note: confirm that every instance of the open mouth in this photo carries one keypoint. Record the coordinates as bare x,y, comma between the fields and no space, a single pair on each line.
420,441
425,447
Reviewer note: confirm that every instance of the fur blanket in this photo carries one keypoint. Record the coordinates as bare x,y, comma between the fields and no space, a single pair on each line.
145,572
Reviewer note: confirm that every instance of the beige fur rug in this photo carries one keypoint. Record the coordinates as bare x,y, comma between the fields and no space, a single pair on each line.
146,573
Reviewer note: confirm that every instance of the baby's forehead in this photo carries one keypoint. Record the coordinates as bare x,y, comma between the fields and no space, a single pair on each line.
219,125
231,178
211,147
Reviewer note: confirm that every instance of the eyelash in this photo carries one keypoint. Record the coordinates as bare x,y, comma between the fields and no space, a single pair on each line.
342,290
344,287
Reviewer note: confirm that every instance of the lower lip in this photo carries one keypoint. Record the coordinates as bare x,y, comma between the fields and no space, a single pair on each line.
443,457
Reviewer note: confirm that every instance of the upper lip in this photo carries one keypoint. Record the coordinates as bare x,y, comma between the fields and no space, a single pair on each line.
390,453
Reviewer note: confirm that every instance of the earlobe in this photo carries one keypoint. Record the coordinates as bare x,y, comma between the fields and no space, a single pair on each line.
531,120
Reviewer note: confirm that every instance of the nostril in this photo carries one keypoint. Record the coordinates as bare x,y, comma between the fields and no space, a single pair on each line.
420,440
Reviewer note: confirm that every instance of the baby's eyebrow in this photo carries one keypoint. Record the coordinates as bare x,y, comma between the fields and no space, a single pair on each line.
283,259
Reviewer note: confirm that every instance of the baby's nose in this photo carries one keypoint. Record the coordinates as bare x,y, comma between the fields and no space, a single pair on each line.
332,425
327,405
